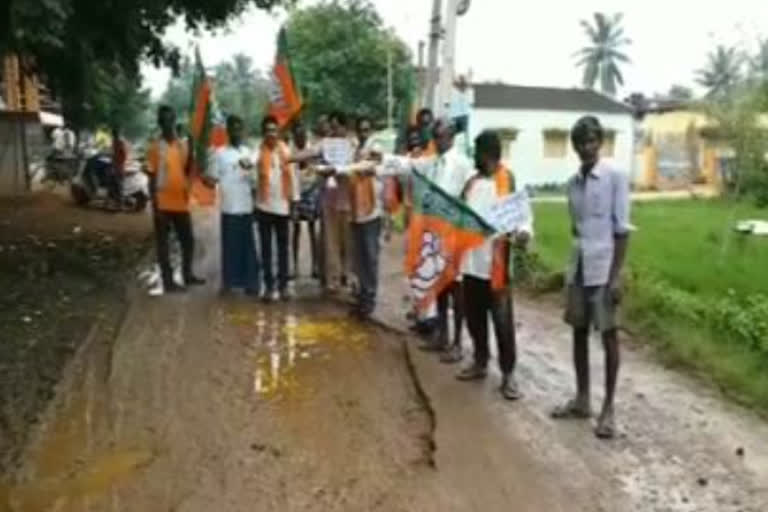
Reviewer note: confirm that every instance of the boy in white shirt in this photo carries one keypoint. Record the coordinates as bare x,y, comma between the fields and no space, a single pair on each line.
276,196
231,171
486,270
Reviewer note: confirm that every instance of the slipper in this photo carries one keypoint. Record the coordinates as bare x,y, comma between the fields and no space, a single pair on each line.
605,429
570,411
510,391
451,355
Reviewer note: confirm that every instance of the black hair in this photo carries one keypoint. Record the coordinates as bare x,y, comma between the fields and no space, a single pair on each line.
443,122
488,143
584,126
268,120
165,109
234,118
424,111
361,120
339,116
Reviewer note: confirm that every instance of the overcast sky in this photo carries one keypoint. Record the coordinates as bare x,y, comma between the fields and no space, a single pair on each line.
531,43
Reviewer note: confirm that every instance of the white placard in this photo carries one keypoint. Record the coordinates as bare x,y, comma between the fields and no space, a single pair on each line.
511,213
337,151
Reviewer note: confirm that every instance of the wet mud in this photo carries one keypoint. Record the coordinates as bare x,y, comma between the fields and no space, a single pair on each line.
205,403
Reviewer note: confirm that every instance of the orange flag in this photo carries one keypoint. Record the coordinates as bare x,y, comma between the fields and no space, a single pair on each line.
284,100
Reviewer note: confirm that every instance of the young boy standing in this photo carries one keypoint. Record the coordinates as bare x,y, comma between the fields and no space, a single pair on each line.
599,203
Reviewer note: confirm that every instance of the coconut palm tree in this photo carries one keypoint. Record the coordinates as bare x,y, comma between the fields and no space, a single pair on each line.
722,71
601,58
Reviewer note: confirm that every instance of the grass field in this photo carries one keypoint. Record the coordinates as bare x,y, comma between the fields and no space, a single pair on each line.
698,290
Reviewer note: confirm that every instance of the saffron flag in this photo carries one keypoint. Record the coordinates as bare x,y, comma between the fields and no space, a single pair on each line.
200,130
284,100
441,231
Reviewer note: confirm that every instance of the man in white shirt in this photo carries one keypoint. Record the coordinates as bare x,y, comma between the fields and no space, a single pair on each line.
276,195
231,170
486,269
450,170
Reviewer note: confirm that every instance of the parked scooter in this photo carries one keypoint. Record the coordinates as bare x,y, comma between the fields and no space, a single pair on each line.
96,184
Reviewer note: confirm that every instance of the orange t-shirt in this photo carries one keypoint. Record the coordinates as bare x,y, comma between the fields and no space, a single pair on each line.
174,196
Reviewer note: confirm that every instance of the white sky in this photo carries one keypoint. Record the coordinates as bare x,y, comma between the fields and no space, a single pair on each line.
531,43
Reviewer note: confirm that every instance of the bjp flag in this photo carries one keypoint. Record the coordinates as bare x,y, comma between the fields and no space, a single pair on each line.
200,130
284,100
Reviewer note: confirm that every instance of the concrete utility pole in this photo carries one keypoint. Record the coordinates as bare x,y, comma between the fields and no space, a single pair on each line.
390,96
435,31
449,53
420,75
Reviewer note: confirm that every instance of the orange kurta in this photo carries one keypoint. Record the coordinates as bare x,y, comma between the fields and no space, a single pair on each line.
173,196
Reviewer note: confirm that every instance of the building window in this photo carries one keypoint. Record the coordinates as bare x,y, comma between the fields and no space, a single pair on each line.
555,143
507,136
609,144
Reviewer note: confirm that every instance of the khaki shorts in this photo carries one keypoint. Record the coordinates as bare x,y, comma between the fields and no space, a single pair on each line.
590,306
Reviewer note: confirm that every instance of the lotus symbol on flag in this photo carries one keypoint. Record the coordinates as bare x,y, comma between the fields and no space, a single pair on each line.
431,265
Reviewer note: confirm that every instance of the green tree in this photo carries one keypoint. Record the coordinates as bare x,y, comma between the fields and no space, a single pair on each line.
241,89
70,41
338,52
722,72
680,93
238,88
602,57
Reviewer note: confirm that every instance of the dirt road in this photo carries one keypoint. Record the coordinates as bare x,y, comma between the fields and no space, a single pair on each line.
229,405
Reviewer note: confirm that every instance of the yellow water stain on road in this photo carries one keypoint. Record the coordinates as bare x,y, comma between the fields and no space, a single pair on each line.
65,492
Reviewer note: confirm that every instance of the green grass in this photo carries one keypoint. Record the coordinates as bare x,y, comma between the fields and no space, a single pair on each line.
688,243
688,246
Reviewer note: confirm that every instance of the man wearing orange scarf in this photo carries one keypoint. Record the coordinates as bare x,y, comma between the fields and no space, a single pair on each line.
168,168
486,269
365,190
276,195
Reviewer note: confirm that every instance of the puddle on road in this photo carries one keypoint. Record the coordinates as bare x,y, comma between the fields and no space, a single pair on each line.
65,469
281,343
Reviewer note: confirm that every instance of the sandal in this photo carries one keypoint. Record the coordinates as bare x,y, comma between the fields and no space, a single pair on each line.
571,410
509,389
606,428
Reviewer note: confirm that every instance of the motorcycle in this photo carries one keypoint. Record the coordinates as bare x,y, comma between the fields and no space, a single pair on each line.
60,168
95,184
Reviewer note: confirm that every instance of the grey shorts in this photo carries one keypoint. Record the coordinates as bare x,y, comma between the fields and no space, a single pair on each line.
590,306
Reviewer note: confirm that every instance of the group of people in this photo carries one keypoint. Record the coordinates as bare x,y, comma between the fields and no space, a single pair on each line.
289,181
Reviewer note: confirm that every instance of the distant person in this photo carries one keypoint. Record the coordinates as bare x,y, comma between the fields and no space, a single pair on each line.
598,202
232,171
486,270
461,104
307,206
425,120
119,160
276,196
168,167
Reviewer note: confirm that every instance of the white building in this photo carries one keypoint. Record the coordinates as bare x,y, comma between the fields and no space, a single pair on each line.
535,123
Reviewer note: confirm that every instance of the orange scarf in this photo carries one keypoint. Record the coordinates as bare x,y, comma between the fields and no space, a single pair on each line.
265,171
362,193
501,247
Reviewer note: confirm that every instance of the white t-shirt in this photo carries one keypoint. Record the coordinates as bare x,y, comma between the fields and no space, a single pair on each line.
276,202
235,183
481,196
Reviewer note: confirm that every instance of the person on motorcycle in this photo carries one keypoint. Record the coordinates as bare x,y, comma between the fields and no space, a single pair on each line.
119,159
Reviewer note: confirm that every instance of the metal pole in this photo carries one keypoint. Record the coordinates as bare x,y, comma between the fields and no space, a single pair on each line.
390,97
421,75
447,69
434,40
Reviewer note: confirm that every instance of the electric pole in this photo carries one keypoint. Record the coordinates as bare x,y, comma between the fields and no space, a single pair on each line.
435,32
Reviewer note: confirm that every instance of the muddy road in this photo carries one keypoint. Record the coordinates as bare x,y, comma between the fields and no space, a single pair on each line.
208,404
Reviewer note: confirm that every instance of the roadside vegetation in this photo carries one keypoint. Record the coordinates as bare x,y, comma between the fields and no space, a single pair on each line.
696,289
